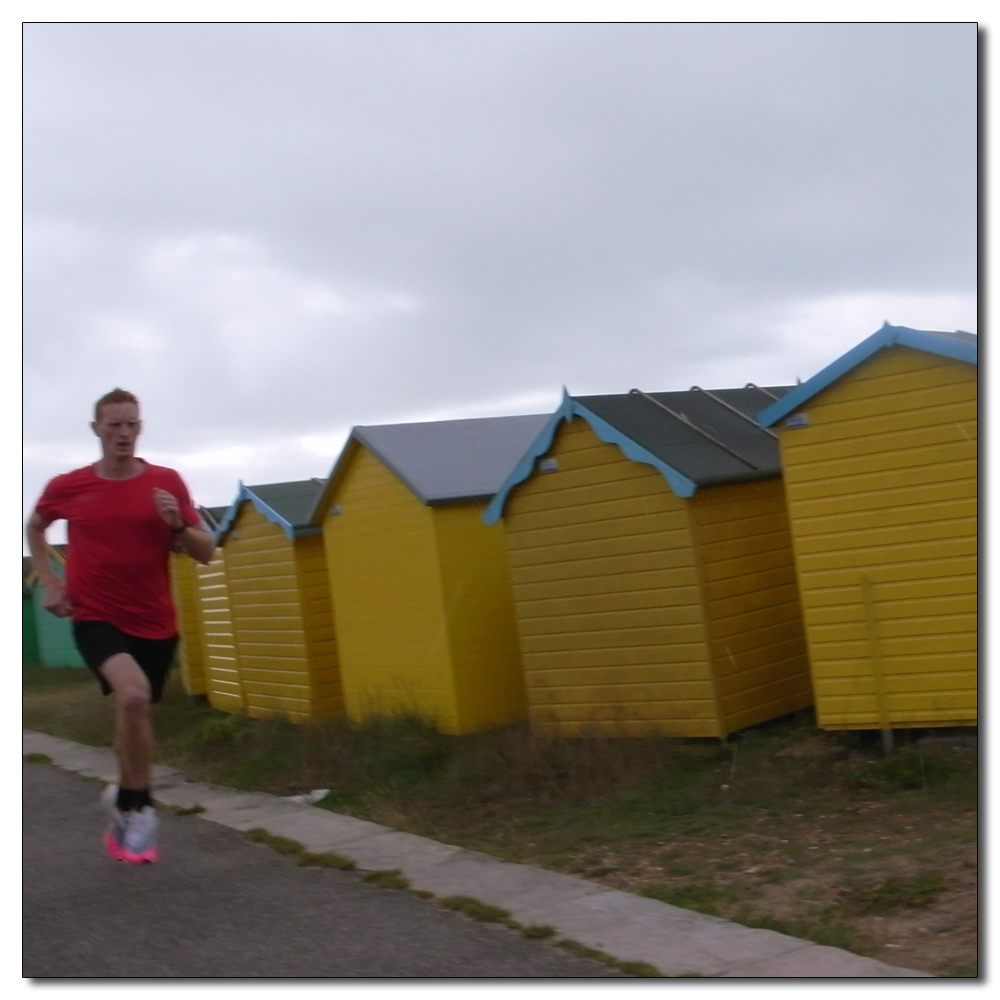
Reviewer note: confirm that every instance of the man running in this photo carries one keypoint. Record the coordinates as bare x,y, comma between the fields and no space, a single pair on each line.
124,518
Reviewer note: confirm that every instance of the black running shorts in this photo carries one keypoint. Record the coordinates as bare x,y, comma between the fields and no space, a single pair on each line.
99,641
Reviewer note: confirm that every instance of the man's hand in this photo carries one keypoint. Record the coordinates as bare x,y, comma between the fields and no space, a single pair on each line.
53,590
168,508
54,599
195,541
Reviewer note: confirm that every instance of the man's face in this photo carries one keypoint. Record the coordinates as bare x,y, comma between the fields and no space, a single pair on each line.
118,429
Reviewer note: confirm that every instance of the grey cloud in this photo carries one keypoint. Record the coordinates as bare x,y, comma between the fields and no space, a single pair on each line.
499,208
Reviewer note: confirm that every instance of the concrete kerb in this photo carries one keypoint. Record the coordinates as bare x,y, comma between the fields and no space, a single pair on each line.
631,928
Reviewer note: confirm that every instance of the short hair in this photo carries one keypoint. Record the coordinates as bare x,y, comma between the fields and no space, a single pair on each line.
115,396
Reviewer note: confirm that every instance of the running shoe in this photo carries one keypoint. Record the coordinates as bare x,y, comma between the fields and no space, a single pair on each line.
114,836
139,842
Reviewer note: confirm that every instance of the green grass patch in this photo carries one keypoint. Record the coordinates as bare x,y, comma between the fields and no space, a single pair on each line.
896,893
705,897
827,929
475,909
391,878
283,845
187,810
963,970
905,769
539,931
38,758
641,970
582,951
325,859
292,848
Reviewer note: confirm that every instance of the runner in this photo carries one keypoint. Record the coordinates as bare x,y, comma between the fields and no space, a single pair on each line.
124,518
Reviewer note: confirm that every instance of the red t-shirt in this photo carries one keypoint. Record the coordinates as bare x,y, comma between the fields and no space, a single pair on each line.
118,554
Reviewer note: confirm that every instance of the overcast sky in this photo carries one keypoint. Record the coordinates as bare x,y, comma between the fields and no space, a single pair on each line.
272,232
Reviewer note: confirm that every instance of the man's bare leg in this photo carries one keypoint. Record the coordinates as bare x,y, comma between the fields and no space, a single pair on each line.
133,837
133,722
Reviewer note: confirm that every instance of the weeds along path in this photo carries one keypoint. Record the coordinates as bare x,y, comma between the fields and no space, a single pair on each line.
810,833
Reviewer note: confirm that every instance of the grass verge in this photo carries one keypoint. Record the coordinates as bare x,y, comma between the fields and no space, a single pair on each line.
284,845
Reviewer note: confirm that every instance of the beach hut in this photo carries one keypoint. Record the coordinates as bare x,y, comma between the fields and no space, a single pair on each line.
31,654
54,644
185,584
284,657
223,684
420,586
880,458
652,567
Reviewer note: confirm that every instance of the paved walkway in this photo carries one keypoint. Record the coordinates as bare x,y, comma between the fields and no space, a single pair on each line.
222,907
632,928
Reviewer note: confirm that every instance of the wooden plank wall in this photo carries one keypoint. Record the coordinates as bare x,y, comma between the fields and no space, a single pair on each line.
607,596
385,582
326,691
268,618
479,605
222,675
882,485
757,637
191,652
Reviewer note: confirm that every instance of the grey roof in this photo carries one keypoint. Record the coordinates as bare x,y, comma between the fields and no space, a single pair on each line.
292,502
962,336
212,516
701,437
447,461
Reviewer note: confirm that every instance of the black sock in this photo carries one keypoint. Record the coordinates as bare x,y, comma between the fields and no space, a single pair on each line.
130,799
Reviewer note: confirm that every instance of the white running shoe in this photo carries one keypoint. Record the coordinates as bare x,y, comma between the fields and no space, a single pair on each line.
139,844
114,836
109,799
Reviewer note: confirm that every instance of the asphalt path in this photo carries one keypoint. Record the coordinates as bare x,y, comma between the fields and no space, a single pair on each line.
219,906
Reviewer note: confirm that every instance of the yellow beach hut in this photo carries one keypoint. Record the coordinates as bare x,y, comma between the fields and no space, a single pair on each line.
420,586
284,654
652,567
185,583
880,457
223,684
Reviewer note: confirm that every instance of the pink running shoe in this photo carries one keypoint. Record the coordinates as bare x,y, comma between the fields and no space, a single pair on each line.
114,836
113,844
138,846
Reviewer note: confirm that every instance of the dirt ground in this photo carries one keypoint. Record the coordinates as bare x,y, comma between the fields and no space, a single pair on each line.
940,938
826,876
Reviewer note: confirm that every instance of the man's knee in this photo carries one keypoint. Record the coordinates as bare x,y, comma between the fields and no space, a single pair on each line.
134,702
129,684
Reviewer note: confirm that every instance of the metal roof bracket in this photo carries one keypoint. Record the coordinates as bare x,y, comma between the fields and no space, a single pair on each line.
732,409
695,427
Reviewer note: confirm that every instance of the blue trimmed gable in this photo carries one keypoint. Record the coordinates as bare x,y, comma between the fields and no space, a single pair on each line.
957,346
245,493
568,409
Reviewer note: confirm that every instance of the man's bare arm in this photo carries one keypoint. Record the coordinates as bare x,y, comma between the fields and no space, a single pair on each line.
53,591
193,538
197,543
